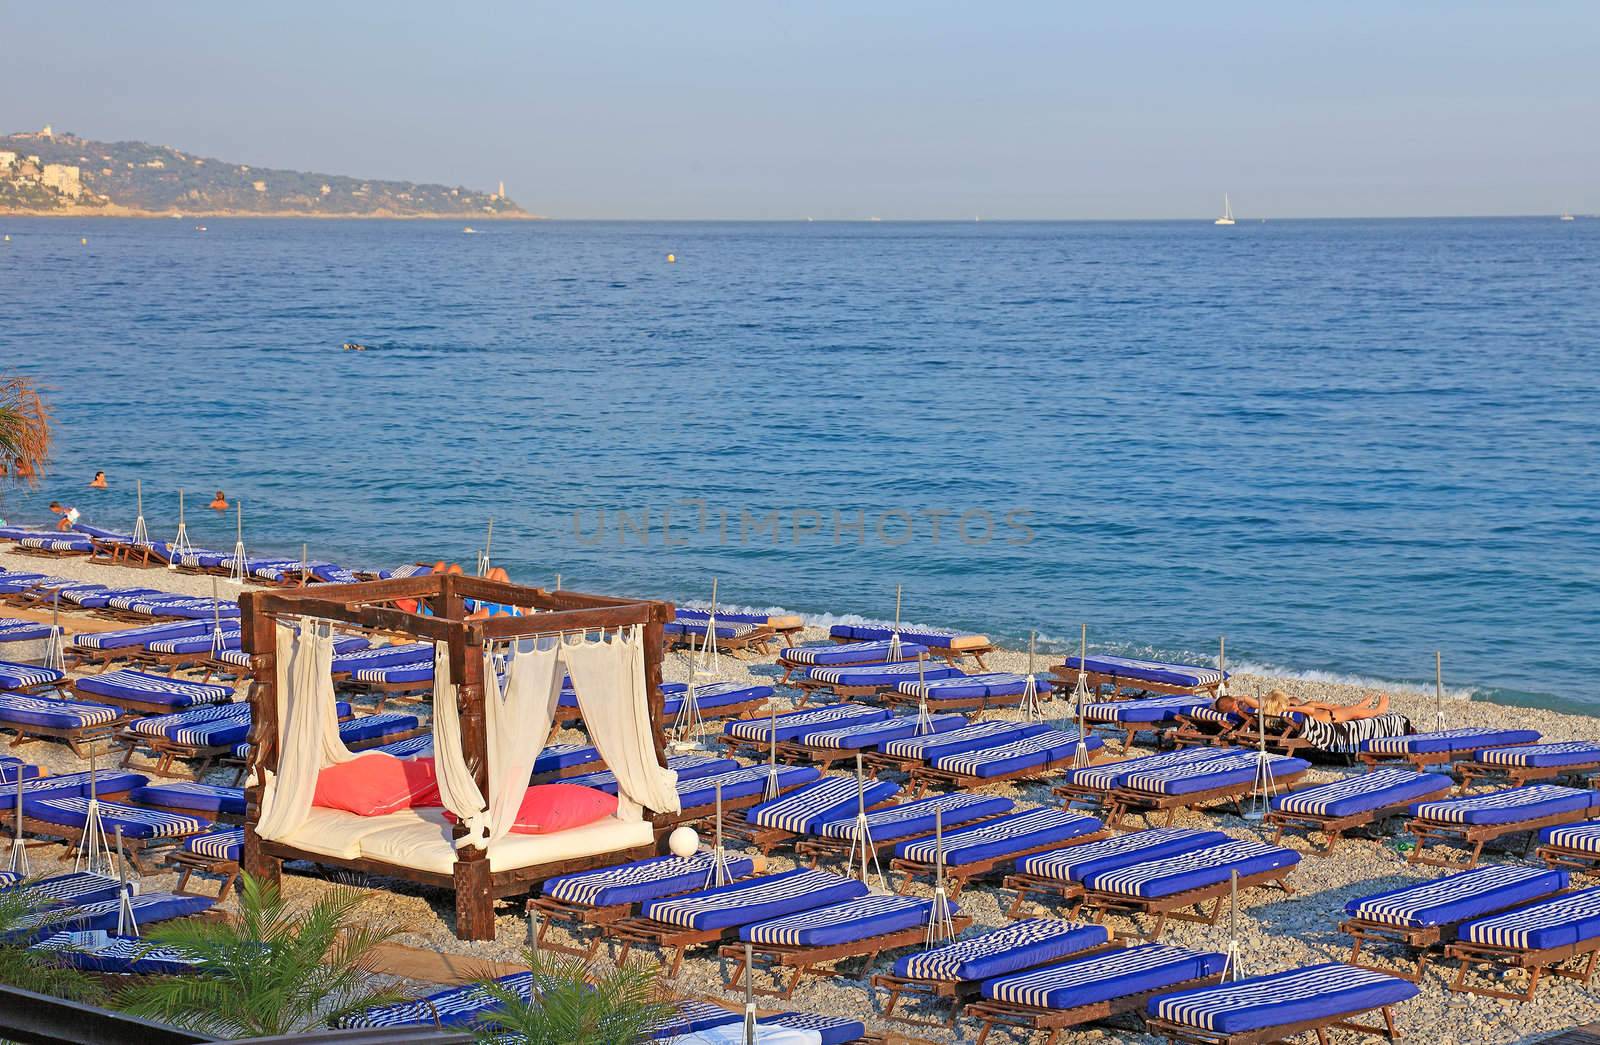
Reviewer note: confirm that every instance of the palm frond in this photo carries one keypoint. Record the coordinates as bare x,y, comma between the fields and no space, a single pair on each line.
37,971
25,429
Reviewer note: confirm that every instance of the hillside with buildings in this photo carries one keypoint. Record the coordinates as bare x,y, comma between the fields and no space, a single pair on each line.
45,172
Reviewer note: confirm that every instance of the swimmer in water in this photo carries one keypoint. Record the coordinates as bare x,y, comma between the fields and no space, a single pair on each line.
98,482
219,503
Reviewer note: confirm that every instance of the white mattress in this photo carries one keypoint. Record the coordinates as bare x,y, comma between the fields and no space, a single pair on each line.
420,839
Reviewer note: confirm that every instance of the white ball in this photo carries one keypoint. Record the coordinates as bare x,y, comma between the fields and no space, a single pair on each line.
683,842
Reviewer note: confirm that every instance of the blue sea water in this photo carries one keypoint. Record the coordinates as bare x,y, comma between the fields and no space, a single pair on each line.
1343,444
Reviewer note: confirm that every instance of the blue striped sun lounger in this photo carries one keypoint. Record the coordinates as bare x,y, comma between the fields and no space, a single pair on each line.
863,679
26,714
1190,871
361,729
560,758
929,748
17,677
12,630
1318,996
100,951
1474,821
383,657
934,638
414,673
1143,712
212,799
714,697
1523,763
1515,806
186,609
197,645
641,880
842,741
71,785
59,543
989,688
1021,945
1443,745
143,690
411,747
462,1006
757,899
99,599
887,827
1078,862
12,768
227,844
1134,673
138,638
792,724
1540,938
68,890
739,785
862,918
1336,807
1199,778
1092,987
148,909
978,848
805,809
164,725
1028,755
138,824
688,767
849,653
1457,897
1098,780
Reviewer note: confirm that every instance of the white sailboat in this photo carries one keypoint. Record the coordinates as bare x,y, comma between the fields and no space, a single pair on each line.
1227,212
1566,215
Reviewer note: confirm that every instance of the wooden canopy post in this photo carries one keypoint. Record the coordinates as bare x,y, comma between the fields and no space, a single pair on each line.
370,606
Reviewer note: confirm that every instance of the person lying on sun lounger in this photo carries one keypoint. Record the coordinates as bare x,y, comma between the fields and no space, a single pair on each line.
1277,703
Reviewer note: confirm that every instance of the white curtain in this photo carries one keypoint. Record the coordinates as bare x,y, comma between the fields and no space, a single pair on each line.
609,679
516,720
308,726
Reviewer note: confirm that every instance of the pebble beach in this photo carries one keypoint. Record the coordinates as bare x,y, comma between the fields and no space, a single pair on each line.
1275,930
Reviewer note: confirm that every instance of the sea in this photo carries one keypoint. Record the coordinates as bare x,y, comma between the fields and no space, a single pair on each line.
1343,445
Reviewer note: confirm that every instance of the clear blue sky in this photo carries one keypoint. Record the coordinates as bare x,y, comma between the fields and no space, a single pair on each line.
848,109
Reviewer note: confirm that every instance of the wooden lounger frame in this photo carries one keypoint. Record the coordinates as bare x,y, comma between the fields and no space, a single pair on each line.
666,936
1038,1018
73,837
1422,941
1040,889
131,705
802,959
1065,678
1122,800
1537,962
923,776
818,848
758,639
188,863
1475,836
75,736
957,876
576,918
766,839
1333,828
1195,733
1176,1032
1097,903
1422,760
1567,858
895,699
947,654
935,990
125,553
371,606
1475,774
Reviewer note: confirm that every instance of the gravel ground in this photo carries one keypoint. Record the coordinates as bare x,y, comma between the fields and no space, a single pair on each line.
1276,931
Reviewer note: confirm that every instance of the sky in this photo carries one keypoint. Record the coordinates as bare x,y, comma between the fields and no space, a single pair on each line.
848,110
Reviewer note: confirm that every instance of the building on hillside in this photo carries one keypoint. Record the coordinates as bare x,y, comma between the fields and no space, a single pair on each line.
6,160
64,178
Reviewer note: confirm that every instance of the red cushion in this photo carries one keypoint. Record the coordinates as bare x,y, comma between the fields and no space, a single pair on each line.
378,783
547,808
